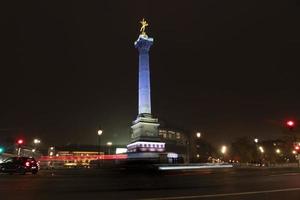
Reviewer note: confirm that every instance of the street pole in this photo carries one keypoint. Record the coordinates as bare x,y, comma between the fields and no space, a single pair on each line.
99,150
108,144
291,126
187,151
99,145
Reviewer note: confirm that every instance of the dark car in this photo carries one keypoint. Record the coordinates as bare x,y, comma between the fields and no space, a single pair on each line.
19,165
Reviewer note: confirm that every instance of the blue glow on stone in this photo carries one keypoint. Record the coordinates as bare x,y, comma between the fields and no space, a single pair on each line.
143,45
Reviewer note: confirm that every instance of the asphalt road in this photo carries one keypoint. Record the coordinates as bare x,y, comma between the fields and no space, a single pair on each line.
214,184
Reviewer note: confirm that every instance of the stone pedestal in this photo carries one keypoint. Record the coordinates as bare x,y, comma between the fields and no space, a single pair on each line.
145,129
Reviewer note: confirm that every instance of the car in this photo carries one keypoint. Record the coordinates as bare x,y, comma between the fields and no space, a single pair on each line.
20,165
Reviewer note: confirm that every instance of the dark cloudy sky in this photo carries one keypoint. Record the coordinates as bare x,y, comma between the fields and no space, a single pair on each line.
225,68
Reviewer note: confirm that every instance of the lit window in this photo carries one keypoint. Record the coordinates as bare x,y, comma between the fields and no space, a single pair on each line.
162,132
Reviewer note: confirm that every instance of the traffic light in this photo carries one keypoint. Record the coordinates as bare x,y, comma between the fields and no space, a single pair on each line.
296,148
290,124
1,150
20,141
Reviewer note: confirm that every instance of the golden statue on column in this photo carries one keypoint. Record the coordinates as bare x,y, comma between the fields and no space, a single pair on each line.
143,27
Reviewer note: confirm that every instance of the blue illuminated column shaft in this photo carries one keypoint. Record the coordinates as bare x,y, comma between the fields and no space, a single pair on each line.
143,45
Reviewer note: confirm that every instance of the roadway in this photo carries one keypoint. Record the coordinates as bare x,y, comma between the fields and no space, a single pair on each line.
215,184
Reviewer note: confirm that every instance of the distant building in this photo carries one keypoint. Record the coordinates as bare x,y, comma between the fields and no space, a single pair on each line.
176,144
188,146
78,155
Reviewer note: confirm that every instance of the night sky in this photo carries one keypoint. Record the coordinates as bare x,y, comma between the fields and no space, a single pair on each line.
225,68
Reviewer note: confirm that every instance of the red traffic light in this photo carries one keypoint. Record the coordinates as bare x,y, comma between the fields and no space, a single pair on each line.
20,141
290,123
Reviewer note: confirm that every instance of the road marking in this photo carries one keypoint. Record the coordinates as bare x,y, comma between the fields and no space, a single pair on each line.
193,167
225,194
287,174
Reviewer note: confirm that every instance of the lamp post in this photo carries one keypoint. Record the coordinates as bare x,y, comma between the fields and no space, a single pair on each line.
261,149
109,145
198,135
224,151
36,142
99,133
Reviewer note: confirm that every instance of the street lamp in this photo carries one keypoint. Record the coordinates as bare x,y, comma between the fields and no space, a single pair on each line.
198,134
261,149
100,131
36,141
278,151
223,149
256,140
109,145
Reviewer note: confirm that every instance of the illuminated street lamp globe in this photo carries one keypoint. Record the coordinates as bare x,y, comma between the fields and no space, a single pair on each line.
198,134
36,141
255,140
261,149
223,149
100,132
278,151
109,143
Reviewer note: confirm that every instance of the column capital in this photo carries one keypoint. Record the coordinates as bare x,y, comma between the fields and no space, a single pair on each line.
143,43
